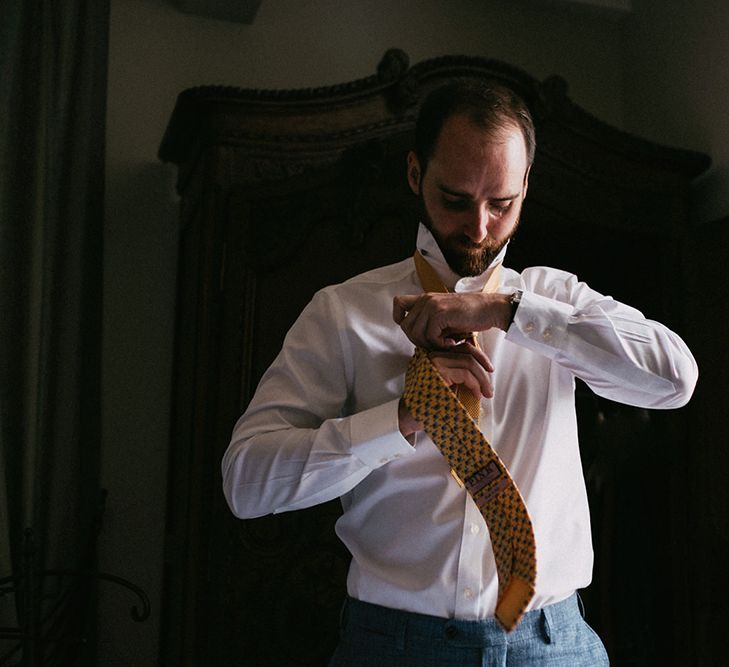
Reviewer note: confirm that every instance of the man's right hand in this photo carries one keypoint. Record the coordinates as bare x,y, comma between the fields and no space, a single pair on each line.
464,364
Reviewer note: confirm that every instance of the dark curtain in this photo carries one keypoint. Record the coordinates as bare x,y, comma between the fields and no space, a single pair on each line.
53,63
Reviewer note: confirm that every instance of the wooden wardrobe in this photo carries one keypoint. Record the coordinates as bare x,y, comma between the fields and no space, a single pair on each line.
285,191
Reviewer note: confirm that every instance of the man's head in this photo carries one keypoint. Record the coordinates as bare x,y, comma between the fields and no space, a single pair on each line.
470,167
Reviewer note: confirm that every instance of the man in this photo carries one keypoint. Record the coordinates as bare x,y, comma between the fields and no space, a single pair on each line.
329,420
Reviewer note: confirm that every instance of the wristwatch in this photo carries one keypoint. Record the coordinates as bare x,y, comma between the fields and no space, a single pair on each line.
514,302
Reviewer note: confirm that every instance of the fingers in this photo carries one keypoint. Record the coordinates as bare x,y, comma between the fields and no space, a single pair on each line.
423,319
432,321
435,319
477,381
401,305
415,316
477,353
468,366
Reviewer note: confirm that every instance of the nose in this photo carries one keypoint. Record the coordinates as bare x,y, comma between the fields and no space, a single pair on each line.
478,226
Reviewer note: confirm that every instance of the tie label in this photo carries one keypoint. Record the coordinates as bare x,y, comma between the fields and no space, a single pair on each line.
486,483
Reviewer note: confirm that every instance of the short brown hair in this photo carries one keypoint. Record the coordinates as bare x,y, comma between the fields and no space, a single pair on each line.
489,104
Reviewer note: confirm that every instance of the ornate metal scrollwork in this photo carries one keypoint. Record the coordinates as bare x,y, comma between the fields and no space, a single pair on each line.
43,596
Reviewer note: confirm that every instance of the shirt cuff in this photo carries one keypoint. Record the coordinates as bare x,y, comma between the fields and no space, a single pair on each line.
540,324
375,435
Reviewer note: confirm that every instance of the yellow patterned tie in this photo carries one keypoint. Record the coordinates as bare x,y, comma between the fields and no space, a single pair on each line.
451,418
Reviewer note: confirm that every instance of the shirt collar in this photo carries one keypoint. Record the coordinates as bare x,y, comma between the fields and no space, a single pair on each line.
430,249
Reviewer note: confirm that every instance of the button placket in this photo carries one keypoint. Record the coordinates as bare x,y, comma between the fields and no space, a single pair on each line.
468,583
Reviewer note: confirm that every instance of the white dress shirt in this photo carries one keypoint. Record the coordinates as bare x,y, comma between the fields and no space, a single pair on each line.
323,424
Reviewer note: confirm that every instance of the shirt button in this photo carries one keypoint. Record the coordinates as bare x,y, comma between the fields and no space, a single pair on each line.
547,333
529,327
467,593
474,528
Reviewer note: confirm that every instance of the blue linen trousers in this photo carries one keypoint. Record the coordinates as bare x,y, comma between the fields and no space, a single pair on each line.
555,636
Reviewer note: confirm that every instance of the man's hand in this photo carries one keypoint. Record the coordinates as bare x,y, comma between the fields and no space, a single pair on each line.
463,364
442,320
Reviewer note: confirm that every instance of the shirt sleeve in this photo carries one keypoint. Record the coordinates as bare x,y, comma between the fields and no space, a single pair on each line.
295,446
613,348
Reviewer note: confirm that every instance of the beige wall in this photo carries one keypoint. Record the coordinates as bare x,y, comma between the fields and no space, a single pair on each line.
155,52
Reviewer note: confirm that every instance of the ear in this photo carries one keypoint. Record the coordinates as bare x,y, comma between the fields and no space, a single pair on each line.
413,172
526,182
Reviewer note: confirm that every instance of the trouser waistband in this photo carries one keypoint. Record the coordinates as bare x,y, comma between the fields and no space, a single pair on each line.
404,624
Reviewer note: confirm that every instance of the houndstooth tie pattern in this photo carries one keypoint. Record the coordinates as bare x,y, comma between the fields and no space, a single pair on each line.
450,417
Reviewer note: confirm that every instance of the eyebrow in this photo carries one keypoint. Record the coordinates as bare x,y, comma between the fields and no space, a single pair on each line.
466,195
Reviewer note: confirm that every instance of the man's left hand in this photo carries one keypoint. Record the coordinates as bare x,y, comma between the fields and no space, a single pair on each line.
436,320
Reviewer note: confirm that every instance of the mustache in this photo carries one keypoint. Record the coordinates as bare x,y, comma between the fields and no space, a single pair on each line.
487,244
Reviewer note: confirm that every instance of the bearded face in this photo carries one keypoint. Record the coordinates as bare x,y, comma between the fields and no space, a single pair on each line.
464,256
471,191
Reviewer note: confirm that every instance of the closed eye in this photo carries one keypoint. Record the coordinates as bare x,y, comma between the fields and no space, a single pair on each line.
455,204
500,208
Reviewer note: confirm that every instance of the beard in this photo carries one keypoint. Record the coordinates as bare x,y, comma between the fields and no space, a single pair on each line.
464,257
